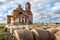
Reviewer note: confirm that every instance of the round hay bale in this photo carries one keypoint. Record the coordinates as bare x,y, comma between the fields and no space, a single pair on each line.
35,34
58,28
41,28
44,35
16,34
52,32
25,34
57,35
41,34
27,28
30,28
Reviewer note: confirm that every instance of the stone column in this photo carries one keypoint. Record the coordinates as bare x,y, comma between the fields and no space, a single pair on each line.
19,19
24,19
8,19
32,19
27,20
12,21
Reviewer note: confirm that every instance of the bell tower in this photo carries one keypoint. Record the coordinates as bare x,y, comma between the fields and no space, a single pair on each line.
28,6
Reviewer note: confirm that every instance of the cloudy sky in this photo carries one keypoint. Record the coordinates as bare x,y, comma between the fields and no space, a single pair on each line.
43,10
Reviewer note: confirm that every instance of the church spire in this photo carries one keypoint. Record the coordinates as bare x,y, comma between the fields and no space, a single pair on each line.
28,6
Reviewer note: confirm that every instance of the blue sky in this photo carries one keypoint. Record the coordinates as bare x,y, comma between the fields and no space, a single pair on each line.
43,10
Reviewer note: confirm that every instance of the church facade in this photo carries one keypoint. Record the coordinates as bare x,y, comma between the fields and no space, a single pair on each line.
20,16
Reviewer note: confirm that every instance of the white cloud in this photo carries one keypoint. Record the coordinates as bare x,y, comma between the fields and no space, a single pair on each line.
2,0
41,9
1,18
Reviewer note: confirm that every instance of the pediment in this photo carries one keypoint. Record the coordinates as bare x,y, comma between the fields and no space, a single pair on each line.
19,9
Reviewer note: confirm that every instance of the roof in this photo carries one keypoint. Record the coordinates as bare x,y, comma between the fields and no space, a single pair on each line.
28,3
9,15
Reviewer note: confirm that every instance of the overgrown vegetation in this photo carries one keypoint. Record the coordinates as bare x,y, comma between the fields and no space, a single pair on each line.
3,34
2,31
2,25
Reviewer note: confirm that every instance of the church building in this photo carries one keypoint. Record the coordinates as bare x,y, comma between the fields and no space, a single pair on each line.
20,16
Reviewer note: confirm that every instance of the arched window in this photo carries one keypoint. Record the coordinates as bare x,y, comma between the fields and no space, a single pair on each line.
20,13
21,18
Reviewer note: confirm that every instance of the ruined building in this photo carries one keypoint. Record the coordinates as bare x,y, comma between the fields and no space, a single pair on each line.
20,16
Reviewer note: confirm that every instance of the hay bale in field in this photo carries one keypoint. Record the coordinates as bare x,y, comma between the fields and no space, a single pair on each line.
30,28
35,34
24,34
41,28
58,28
27,28
16,34
52,32
41,34
44,35
57,35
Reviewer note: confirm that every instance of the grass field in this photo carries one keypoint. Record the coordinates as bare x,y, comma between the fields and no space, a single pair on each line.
2,28
2,25
2,32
